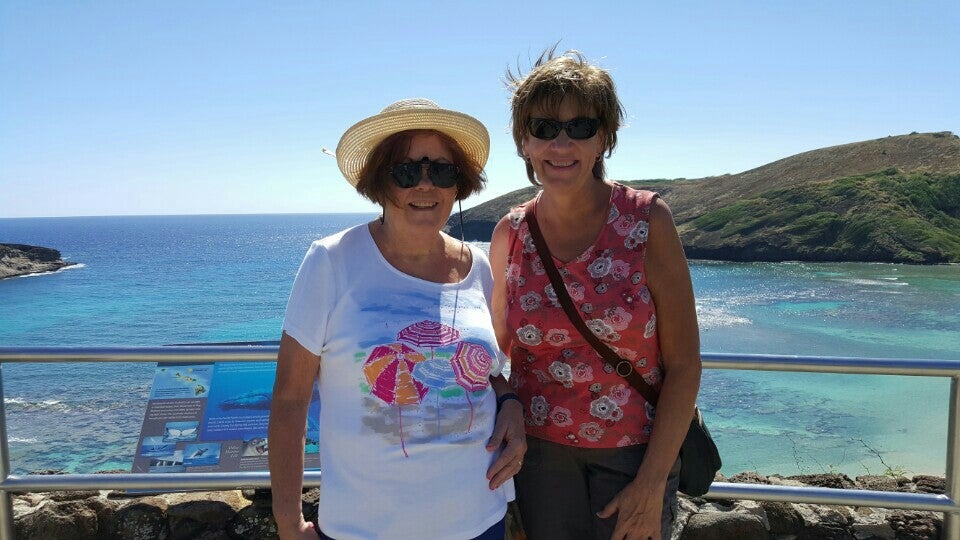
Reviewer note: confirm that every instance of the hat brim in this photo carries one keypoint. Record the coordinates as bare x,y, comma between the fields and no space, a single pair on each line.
361,138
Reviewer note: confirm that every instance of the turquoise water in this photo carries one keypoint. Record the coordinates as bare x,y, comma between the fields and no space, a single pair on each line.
186,279
804,422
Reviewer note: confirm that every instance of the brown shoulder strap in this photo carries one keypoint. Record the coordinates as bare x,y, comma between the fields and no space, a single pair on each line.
623,367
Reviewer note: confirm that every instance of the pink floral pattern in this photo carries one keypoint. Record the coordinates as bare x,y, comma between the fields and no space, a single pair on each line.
570,394
561,417
582,372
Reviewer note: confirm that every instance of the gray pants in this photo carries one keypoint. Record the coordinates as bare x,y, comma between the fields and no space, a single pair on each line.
561,488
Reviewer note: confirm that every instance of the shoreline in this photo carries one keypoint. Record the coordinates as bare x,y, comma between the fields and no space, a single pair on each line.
67,266
22,260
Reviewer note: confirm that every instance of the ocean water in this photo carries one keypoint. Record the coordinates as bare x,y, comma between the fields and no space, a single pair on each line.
189,279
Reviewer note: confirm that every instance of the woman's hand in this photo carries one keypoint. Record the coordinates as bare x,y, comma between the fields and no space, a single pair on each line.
638,508
510,435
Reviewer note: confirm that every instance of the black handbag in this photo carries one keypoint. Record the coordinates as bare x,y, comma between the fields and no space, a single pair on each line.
699,457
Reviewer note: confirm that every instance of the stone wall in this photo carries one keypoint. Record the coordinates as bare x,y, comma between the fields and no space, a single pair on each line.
241,515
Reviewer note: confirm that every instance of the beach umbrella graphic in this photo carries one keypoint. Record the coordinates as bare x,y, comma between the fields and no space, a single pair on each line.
438,375
429,334
389,372
471,364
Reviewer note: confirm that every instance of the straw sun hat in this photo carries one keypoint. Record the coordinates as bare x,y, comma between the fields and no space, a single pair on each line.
418,113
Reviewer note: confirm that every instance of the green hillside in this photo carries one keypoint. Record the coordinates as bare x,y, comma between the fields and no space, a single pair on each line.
886,216
827,204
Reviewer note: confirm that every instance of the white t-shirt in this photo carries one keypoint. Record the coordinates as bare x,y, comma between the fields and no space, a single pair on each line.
406,403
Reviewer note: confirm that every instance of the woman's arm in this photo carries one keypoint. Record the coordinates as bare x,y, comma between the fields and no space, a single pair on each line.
499,249
297,369
509,429
668,278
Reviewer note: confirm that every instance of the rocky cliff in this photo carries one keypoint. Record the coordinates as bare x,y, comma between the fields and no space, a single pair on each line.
21,259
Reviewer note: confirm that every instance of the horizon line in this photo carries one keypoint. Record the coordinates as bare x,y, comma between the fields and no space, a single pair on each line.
193,215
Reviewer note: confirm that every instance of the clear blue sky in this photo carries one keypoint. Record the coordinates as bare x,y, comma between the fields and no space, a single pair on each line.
113,108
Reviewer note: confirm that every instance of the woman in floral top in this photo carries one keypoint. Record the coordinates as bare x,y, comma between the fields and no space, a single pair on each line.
601,462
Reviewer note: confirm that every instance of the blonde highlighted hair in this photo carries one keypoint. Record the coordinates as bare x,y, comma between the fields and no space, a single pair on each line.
553,79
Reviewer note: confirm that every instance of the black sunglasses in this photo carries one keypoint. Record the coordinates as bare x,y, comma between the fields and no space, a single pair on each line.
443,175
577,129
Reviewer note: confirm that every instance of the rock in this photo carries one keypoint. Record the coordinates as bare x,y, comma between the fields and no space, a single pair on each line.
63,520
253,522
722,526
752,508
828,480
825,531
46,471
780,481
24,503
873,531
72,495
879,483
930,484
143,519
105,510
201,515
783,517
21,259
916,525
311,496
718,505
749,477
213,535
686,507
259,496
833,515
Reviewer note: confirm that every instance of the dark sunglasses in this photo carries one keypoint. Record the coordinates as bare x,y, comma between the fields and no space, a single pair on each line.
577,129
443,175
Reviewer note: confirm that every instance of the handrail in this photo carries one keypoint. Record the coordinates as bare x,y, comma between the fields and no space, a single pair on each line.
146,481
163,355
255,353
946,503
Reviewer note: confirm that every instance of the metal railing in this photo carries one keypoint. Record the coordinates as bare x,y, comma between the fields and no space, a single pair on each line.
945,503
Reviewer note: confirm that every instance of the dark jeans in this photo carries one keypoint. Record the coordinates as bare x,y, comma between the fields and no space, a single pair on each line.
496,532
561,488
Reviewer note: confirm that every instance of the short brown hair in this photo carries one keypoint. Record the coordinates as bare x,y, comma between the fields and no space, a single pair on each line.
375,178
555,78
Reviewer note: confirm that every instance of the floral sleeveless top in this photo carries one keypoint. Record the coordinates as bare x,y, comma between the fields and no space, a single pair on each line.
570,395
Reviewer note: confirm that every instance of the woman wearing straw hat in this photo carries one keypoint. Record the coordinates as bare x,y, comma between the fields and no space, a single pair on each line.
599,465
420,436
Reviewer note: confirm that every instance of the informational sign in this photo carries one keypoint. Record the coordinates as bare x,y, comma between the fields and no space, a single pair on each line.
212,417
